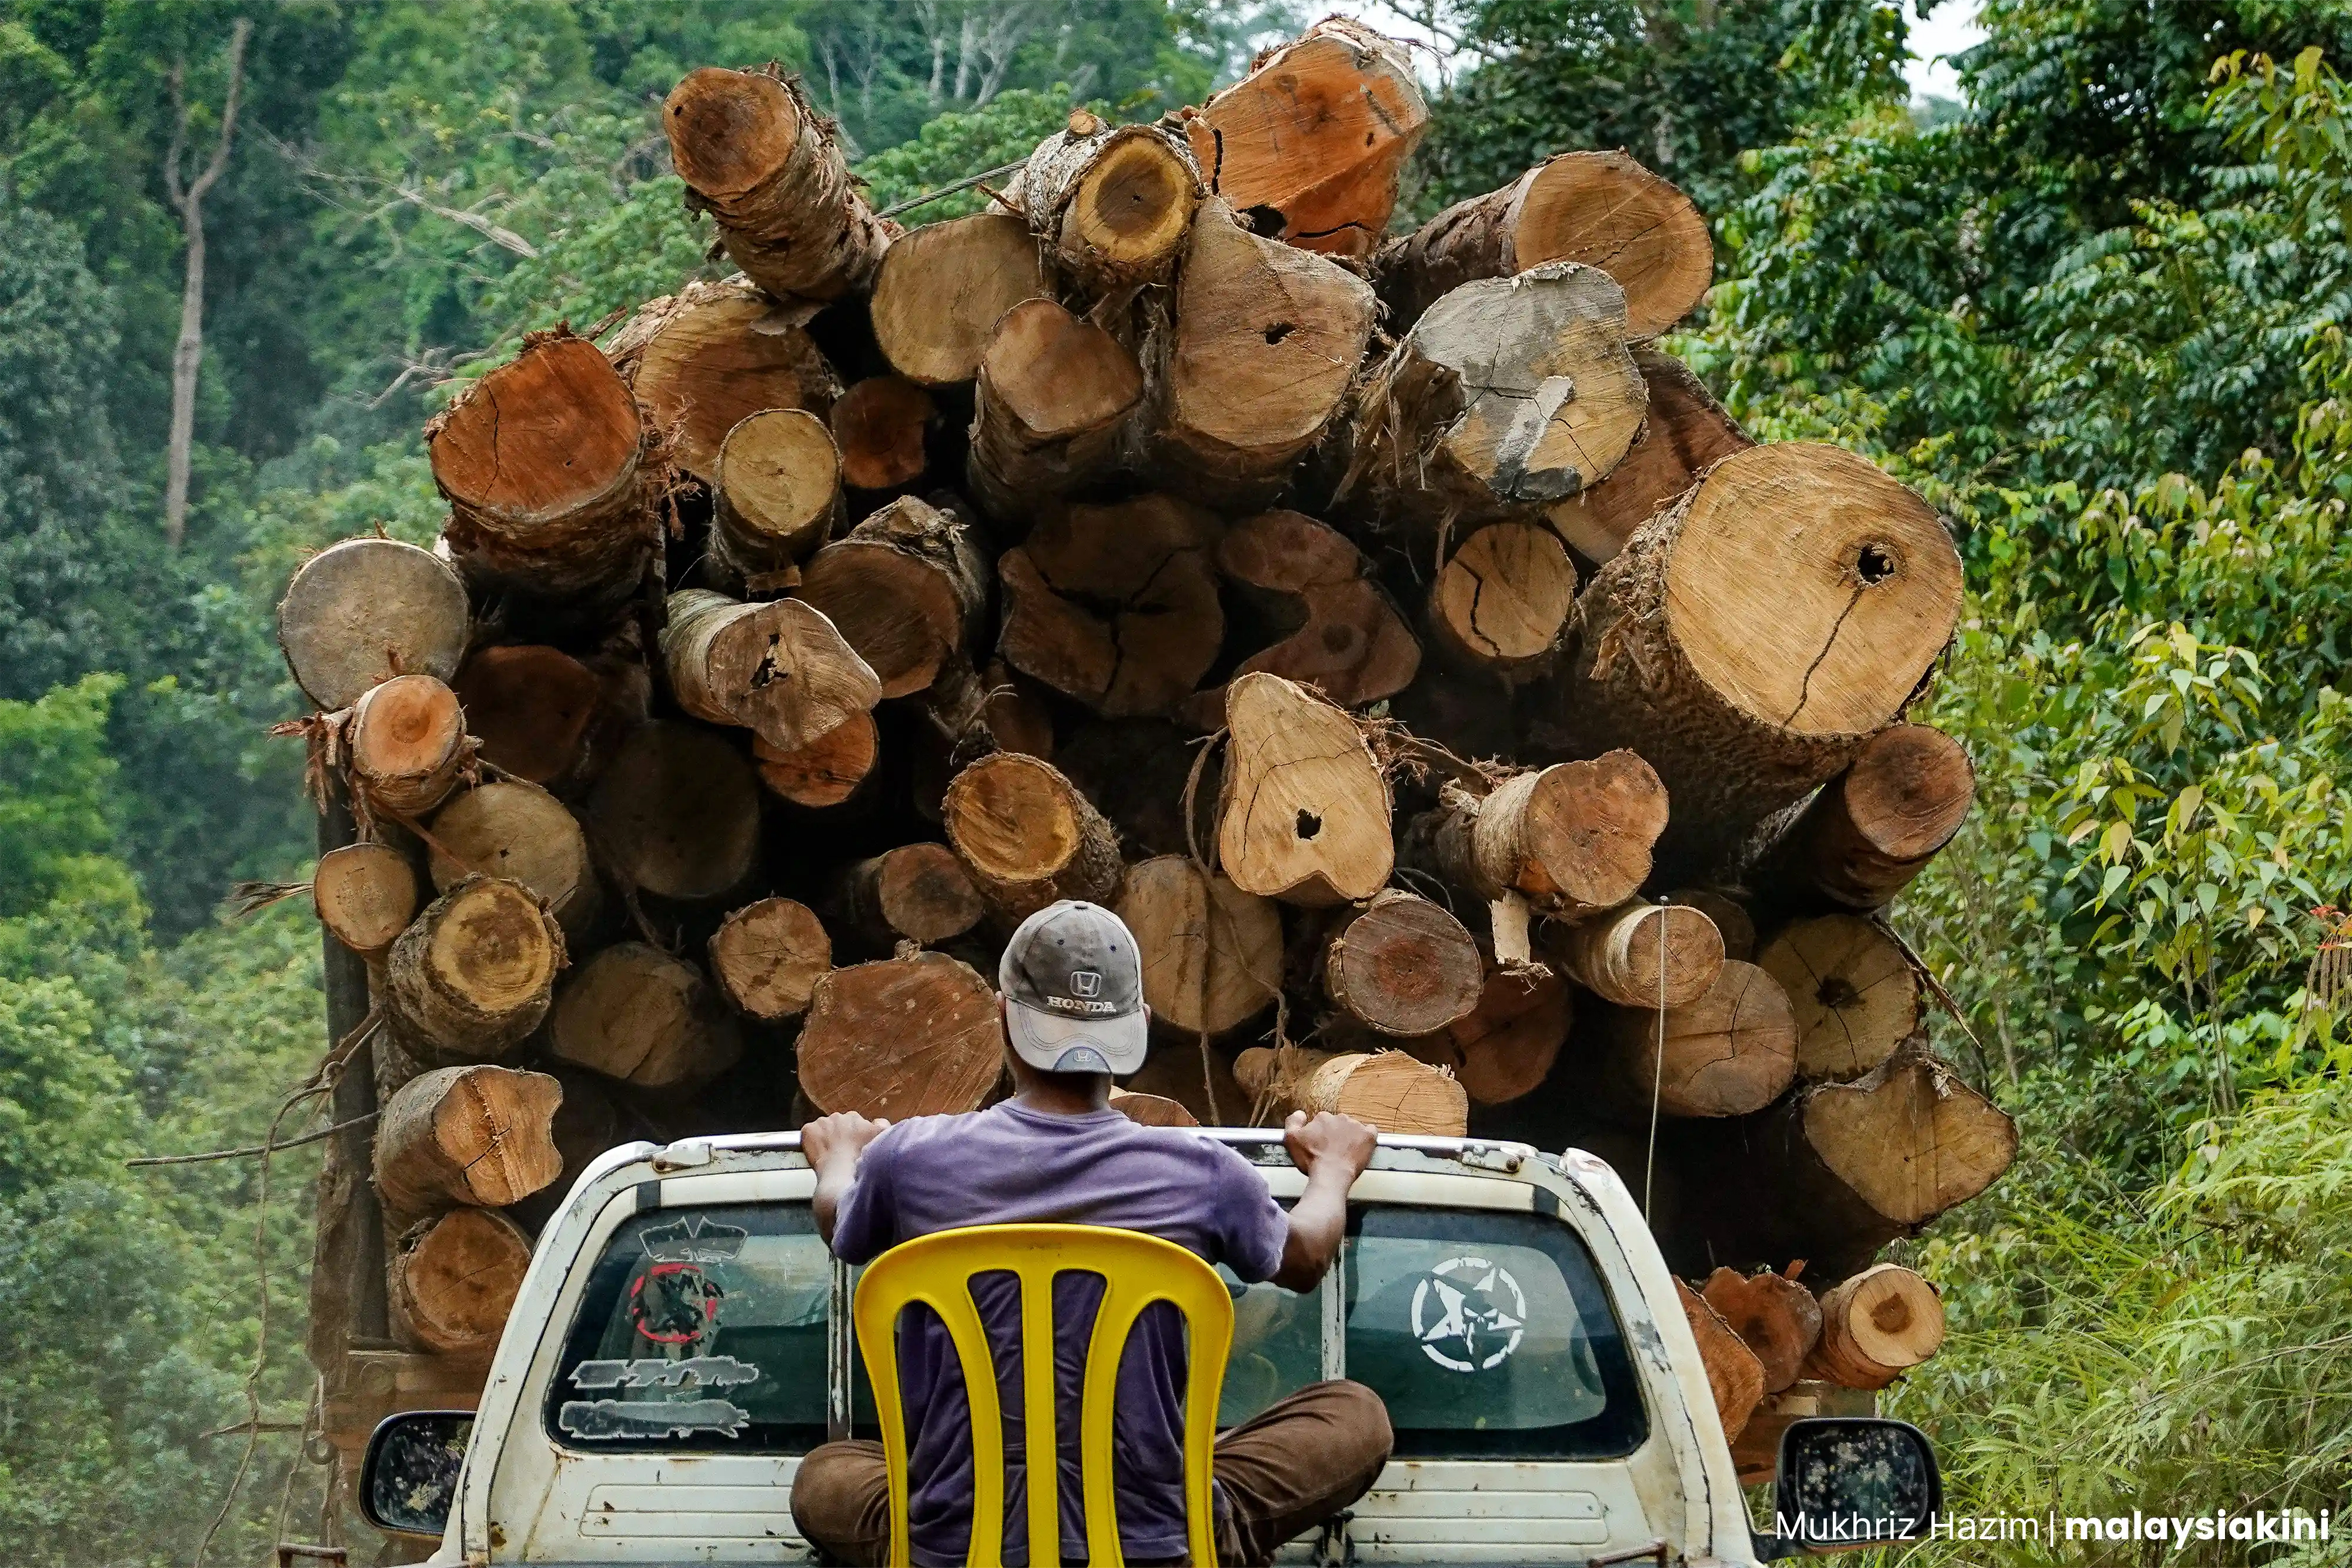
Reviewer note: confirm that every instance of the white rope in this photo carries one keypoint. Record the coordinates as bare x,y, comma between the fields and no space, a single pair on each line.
1658,1073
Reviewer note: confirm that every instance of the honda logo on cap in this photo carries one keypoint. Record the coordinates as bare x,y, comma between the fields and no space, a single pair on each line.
1085,982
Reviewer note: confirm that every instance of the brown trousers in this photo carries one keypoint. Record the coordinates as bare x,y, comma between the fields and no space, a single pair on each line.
1295,1465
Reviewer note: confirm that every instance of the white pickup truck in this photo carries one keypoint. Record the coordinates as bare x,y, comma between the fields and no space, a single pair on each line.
683,1335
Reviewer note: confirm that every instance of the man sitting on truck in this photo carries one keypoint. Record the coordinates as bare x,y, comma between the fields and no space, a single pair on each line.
1073,1011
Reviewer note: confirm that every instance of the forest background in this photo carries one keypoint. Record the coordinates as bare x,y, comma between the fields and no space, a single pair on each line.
2095,312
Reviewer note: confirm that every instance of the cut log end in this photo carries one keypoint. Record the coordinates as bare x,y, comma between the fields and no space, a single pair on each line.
1605,210
531,707
917,892
1387,1090
781,669
905,1037
1028,836
455,1279
1734,1374
881,425
1339,632
1502,602
768,957
677,813
1855,994
366,894
1773,1315
1644,954
1212,954
1116,606
1504,1047
1305,813
521,832
1727,1052
905,588
407,742
1151,1110
827,771
1876,1327
640,1017
362,612
474,1135
777,489
472,975
1909,1139
1404,967
1685,433
943,288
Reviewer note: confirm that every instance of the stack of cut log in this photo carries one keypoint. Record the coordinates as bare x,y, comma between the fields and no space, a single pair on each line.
1480,733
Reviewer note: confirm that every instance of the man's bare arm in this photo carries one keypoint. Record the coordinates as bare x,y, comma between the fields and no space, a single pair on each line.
1333,1150
831,1144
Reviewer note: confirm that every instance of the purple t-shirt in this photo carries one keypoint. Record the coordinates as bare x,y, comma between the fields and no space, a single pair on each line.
1009,1165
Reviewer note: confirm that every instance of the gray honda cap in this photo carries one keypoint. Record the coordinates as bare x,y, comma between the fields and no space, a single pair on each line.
1074,981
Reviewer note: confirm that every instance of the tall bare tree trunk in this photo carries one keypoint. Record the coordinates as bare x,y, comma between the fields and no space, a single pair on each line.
188,353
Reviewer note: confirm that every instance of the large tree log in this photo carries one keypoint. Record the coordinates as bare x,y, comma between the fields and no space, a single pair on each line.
1212,954
775,494
781,669
942,289
1337,627
1856,996
917,893
882,427
1304,813
1315,135
967,715
677,813
536,711
917,1036
407,744
1773,1315
706,358
1196,1077
472,976
908,588
1136,771
825,772
765,165
1642,955
362,612
1602,209
1501,601
1508,395
1685,432
1109,204
1732,921
1265,339
1403,967
1386,1089
768,957
1750,640
1573,839
453,1281
1873,827
1116,606
1728,1052
637,1016
477,1136
1756,1454
1734,1374
1028,837
365,894
538,461
1151,1110
526,835
1050,409
1876,1327
1506,1047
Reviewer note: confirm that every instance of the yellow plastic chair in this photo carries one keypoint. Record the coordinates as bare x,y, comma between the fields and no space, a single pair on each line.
1137,1270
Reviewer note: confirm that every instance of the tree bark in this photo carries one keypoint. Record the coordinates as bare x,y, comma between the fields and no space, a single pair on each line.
1501,601
1110,205
1028,837
1387,1090
1601,209
1773,1315
908,588
637,1016
706,358
825,772
478,1135
1573,839
1403,967
1642,955
454,1280
1876,1327
917,893
1685,433
759,159
882,426
1304,813
1734,1374
768,957
775,496
1730,1051
407,745
365,894
1116,606
1336,627
526,835
1749,641
362,612
1505,1048
472,976
1854,992
1873,827
539,460
677,813
1510,394
917,1036
1266,338
781,669
943,288
188,199
1314,138
1050,409
535,710
1212,954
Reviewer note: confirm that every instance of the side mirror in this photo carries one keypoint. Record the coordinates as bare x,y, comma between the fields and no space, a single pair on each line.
409,1483
1853,1481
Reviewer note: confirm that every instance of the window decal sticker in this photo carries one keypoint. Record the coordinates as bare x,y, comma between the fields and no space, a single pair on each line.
650,1418
1468,1314
711,1371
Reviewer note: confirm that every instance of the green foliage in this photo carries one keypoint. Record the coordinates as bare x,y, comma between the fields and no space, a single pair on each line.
956,146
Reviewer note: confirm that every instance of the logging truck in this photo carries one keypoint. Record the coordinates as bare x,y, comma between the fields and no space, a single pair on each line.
682,1336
